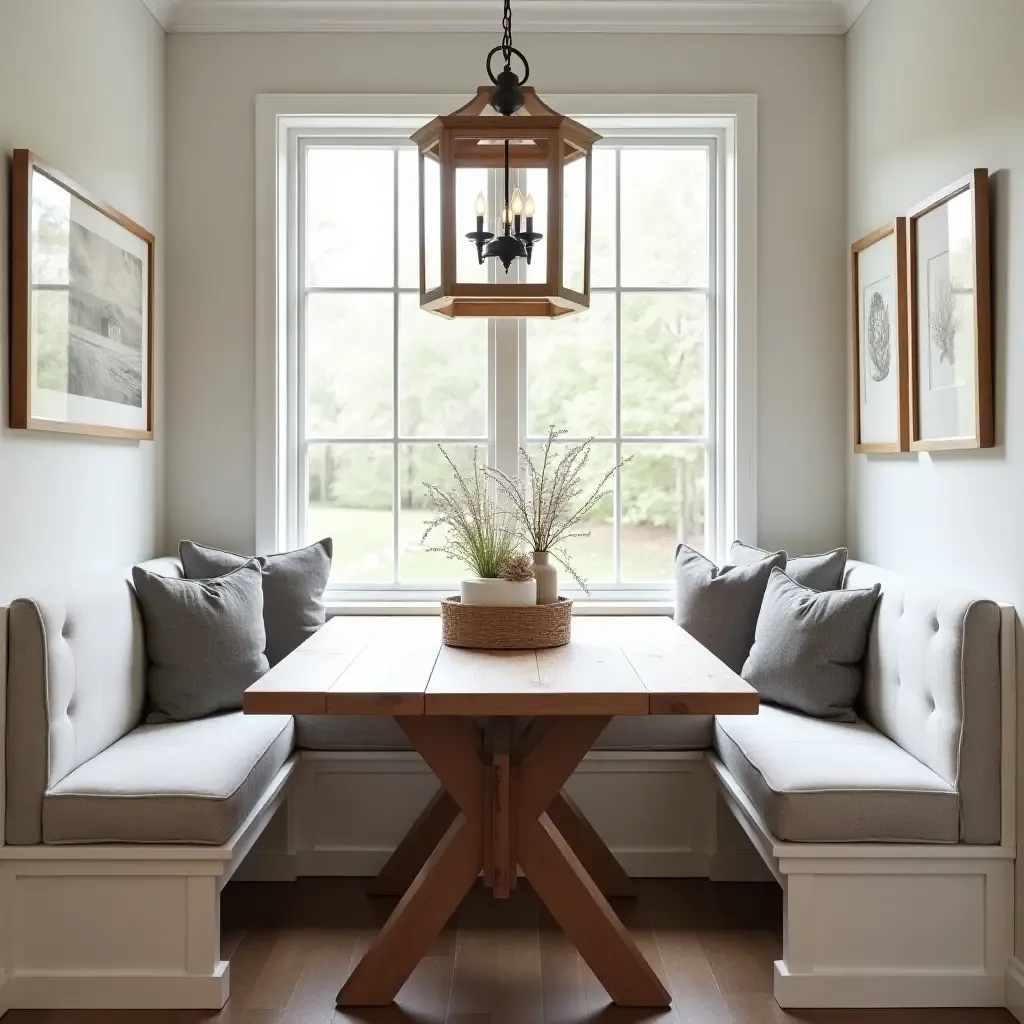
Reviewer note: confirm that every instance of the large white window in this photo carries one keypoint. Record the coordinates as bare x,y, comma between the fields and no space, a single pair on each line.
373,384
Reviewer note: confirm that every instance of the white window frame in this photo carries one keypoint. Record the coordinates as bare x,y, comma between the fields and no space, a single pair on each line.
728,122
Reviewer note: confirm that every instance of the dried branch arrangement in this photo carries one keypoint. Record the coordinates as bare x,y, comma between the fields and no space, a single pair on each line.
479,534
548,500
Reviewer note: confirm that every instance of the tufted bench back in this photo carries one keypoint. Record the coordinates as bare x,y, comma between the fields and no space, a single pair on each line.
932,685
76,682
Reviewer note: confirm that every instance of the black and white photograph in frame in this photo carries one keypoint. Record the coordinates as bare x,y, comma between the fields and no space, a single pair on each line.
82,316
951,318
878,296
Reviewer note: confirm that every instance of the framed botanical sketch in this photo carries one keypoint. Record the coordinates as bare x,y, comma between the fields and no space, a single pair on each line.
879,294
951,318
81,310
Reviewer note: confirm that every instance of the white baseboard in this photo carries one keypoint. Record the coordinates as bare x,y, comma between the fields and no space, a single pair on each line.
828,990
358,863
100,991
1015,988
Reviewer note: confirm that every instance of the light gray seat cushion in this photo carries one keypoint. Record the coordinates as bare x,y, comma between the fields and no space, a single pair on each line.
371,732
814,781
181,782
931,684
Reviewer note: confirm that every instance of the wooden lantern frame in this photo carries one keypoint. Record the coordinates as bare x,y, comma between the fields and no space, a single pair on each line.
541,138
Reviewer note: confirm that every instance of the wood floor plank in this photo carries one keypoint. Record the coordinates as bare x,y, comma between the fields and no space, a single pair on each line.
497,961
696,997
741,961
563,988
326,967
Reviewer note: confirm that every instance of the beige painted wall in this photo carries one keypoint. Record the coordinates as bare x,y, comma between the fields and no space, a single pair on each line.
929,98
82,83
212,83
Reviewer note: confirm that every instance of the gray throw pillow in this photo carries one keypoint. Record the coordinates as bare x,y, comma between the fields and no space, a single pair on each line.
820,572
809,646
204,639
718,606
293,588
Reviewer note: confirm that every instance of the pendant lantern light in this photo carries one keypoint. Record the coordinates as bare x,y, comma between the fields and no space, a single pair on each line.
513,244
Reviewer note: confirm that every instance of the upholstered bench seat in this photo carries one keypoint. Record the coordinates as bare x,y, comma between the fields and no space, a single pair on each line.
184,782
341,732
814,781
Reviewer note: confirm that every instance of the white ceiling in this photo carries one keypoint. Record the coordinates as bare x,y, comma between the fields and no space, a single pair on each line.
820,17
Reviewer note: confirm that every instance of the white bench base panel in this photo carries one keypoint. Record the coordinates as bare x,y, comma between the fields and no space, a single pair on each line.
121,927
863,925
876,925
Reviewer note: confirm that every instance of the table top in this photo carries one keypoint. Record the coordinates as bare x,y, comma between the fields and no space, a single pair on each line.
397,665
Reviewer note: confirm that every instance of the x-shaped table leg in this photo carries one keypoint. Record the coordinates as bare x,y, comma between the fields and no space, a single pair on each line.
501,819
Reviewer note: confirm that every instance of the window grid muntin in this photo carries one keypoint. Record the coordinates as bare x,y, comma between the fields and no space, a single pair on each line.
422,590
711,342
396,439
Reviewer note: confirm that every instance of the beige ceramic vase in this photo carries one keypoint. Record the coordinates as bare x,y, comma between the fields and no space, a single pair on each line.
546,576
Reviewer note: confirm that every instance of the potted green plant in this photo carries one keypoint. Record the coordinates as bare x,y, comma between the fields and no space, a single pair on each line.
548,502
483,537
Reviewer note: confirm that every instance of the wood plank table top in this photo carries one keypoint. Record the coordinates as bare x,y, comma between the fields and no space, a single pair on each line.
397,665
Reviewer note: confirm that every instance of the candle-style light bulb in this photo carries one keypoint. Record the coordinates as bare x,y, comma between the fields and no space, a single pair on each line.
529,207
481,205
517,211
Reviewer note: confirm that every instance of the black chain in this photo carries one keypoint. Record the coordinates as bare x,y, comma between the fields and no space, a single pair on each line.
506,39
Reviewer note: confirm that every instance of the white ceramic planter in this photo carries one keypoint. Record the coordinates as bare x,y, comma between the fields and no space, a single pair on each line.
499,592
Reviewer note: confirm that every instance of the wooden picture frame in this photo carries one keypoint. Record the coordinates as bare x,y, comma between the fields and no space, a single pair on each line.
82,310
951,333
881,421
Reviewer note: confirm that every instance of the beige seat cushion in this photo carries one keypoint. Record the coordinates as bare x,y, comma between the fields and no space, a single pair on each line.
814,781
183,782
344,732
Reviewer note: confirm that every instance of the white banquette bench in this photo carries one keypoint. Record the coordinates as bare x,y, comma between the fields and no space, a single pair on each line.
893,839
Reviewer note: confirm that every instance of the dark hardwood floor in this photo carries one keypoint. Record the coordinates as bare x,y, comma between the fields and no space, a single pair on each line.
503,962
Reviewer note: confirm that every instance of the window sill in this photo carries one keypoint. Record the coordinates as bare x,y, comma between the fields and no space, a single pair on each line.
434,608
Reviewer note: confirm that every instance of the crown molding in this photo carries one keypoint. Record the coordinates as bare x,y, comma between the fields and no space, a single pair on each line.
163,10
805,17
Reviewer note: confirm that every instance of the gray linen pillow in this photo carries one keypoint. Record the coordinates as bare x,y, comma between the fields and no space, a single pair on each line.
820,572
204,639
809,646
718,606
293,588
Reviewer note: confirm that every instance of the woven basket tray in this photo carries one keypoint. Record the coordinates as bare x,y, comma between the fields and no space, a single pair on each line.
505,628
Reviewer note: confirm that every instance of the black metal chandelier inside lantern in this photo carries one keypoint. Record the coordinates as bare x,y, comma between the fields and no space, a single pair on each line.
506,128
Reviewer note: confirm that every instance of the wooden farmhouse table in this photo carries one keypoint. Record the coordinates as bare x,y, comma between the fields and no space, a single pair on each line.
502,731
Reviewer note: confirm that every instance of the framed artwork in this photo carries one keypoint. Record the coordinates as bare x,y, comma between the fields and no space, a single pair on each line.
951,318
81,310
879,294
